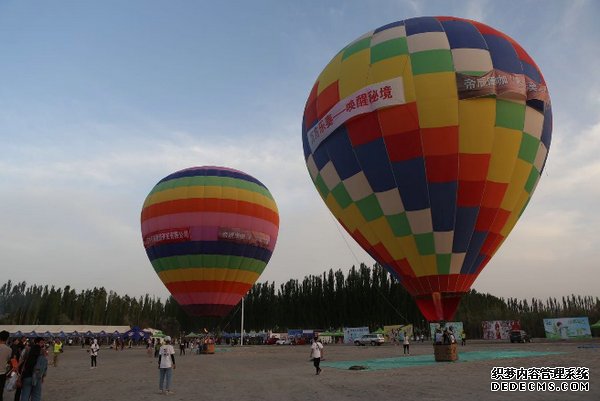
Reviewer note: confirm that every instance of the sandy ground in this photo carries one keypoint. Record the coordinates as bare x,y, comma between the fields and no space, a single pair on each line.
272,372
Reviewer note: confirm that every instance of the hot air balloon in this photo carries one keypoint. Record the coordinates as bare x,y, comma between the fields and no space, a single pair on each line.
426,139
209,232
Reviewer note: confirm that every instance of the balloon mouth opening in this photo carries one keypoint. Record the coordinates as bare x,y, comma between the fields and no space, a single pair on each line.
439,306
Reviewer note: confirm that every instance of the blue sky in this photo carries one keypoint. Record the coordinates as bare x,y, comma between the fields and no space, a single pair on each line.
100,100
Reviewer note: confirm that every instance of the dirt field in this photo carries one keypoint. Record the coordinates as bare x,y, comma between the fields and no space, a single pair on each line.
278,373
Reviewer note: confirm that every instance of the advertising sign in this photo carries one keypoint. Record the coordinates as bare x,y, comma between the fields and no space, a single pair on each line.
352,333
567,327
499,329
456,327
395,334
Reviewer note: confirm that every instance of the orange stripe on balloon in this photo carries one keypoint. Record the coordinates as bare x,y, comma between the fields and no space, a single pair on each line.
210,205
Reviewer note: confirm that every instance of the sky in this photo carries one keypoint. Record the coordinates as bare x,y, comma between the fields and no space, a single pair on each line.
101,100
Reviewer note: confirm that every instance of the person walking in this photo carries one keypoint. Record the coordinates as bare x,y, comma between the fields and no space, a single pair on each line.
34,370
166,364
181,347
57,349
5,353
316,353
94,348
406,344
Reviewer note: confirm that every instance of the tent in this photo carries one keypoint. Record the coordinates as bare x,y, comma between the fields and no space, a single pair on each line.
332,333
595,327
136,334
158,334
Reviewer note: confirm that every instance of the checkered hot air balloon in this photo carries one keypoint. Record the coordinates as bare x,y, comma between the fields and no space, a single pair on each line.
426,139
209,232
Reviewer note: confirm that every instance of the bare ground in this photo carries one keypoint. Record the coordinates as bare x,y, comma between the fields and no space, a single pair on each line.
277,373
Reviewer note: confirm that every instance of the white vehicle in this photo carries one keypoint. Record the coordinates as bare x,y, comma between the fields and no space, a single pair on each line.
283,341
373,339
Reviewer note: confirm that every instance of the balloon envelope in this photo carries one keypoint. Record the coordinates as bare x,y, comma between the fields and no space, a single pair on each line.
426,139
209,232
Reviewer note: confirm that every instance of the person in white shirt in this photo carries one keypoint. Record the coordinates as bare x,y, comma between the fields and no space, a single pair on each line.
166,364
94,348
316,353
406,344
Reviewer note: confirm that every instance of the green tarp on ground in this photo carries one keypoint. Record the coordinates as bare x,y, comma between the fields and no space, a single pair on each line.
424,360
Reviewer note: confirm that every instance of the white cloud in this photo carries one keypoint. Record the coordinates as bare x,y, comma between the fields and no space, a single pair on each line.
476,10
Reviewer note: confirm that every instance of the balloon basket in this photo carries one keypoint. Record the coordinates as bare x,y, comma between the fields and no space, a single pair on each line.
208,349
445,352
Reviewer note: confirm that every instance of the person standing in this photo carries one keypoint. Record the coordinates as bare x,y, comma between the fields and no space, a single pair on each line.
34,370
94,348
463,338
20,354
57,349
316,353
5,353
166,364
406,344
17,348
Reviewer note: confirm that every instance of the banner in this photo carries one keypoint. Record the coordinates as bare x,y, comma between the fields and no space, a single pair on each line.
500,84
167,236
244,236
456,327
565,328
352,333
365,100
395,334
499,329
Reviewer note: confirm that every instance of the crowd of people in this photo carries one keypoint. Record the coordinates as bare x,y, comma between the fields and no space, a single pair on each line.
27,363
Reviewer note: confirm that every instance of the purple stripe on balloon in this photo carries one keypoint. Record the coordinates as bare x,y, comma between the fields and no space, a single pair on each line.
220,298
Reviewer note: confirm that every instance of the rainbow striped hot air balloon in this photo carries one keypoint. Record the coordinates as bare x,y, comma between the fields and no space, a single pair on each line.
426,138
209,232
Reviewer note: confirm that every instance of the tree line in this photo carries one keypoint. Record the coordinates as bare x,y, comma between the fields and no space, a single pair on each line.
364,296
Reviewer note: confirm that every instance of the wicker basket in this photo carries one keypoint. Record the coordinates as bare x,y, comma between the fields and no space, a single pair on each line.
445,352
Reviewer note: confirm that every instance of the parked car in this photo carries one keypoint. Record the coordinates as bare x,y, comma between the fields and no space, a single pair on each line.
373,339
283,341
298,341
519,336
271,340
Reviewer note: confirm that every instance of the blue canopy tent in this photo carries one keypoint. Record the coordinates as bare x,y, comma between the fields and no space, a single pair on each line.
136,334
